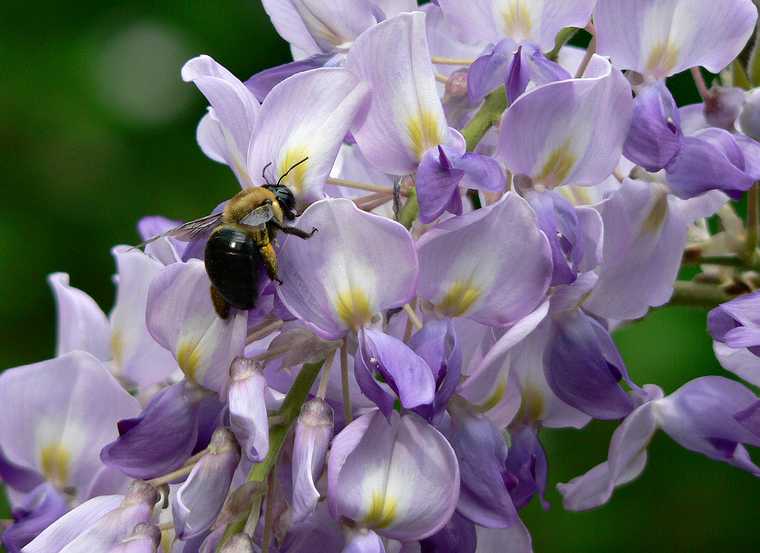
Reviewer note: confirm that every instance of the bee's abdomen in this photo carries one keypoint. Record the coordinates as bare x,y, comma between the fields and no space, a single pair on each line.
233,264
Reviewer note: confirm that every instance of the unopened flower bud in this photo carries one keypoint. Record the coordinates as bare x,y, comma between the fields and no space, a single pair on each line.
248,411
239,543
456,86
314,431
749,120
200,499
723,106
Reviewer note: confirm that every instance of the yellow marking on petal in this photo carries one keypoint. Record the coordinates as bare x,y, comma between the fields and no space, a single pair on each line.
459,298
55,461
353,308
297,177
656,218
517,23
494,399
532,406
558,167
424,132
662,60
188,359
117,348
382,511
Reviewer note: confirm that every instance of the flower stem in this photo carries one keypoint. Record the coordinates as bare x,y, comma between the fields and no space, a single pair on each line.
268,515
324,379
487,116
590,51
695,294
440,60
174,475
347,412
291,407
753,222
563,38
409,310
361,185
699,80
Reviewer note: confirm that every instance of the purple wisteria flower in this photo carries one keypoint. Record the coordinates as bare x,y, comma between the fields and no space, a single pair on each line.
445,212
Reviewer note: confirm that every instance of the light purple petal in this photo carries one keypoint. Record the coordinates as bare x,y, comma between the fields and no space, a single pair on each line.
741,362
181,317
401,368
290,25
569,132
235,108
162,438
356,266
41,508
493,539
81,324
313,433
645,233
580,370
363,541
437,184
401,478
75,404
472,22
109,530
482,455
64,530
702,416
710,160
199,499
405,118
262,83
655,137
662,38
462,277
487,382
137,357
490,70
627,458
248,410
330,99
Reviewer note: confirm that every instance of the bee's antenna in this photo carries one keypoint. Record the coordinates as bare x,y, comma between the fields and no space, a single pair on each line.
264,172
282,178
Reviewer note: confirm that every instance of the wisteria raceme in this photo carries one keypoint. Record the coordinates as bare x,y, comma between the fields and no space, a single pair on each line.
448,209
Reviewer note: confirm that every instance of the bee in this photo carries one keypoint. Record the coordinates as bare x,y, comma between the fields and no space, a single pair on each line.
241,241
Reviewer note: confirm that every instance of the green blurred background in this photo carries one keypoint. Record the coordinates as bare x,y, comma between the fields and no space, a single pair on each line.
97,130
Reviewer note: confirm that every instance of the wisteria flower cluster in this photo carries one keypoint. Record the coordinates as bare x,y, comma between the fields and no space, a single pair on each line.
475,207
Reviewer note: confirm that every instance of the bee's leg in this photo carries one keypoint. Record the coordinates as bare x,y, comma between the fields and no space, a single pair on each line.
270,261
221,306
295,231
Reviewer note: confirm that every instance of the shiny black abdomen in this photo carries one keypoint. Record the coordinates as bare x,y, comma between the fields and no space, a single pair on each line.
233,264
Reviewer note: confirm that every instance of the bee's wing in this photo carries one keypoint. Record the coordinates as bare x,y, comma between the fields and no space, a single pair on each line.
259,216
188,231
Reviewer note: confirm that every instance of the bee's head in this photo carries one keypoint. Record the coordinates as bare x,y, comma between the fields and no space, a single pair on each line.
285,198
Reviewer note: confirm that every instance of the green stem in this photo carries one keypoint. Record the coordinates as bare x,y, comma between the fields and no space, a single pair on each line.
695,294
753,68
753,223
487,116
721,260
288,414
563,38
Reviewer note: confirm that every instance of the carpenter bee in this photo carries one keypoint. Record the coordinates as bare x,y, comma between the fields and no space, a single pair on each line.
241,241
